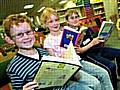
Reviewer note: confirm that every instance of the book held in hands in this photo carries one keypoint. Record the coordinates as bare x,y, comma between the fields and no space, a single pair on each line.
105,30
71,34
55,71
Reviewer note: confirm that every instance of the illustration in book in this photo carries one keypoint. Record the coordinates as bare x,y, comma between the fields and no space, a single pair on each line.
105,30
71,34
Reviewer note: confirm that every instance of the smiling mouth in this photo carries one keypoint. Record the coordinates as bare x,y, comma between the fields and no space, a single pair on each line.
55,27
28,41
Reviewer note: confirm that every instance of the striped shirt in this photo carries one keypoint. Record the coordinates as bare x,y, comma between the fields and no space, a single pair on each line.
22,69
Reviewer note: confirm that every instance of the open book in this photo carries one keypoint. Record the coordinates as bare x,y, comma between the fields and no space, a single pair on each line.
71,34
105,30
55,71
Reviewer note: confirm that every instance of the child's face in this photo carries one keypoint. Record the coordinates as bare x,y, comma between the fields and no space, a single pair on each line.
23,36
53,23
73,20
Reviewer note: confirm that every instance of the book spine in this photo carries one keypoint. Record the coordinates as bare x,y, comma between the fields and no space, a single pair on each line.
77,42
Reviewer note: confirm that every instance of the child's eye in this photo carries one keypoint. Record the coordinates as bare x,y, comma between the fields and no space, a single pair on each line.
73,17
50,21
56,19
20,35
29,32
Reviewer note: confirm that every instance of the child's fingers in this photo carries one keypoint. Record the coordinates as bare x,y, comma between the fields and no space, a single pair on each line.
30,85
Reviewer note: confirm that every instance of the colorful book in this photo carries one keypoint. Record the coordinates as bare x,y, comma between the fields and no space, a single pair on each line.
105,30
70,34
55,71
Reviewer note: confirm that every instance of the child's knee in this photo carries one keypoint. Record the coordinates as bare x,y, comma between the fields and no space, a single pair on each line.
96,85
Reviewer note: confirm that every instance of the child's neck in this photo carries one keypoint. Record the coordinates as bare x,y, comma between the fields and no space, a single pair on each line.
31,51
53,33
74,27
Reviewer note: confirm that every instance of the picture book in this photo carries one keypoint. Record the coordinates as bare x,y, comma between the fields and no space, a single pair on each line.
55,71
105,30
70,34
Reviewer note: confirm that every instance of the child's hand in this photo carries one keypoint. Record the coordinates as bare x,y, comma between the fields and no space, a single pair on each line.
77,49
96,41
30,86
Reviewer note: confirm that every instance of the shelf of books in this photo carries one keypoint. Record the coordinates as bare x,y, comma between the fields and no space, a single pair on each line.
79,8
98,8
87,16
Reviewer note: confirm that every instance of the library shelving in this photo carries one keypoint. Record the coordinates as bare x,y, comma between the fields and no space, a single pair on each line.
79,8
98,8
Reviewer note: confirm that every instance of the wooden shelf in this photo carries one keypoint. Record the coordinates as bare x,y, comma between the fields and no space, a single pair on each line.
79,6
100,13
101,7
97,2
98,9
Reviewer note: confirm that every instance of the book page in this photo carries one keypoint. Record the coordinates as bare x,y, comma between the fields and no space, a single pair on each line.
71,53
53,72
105,29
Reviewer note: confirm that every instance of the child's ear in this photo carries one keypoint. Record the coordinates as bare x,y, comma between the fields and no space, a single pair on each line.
9,40
67,22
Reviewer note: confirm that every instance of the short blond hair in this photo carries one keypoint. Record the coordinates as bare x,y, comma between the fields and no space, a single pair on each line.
47,12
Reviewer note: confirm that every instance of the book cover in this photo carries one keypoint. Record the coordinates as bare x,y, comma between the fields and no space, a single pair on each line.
55,71
70,34
105,30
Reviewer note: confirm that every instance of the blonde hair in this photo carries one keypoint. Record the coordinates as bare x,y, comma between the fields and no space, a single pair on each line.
47,13
15,19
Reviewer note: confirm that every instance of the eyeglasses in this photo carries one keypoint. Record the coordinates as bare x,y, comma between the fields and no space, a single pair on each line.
74,17
20,35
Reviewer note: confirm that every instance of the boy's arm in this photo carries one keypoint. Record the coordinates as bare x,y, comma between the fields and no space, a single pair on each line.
94,42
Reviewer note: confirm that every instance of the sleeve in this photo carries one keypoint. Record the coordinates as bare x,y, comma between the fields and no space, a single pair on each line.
16,82
88,37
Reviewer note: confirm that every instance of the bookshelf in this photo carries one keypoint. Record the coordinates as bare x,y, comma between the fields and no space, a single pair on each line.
89,15
98,8
79,8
